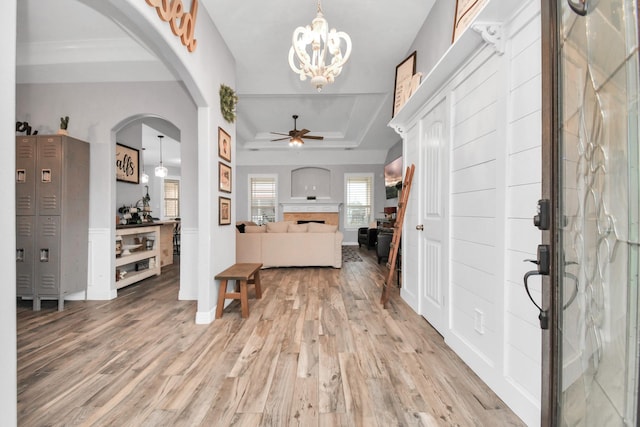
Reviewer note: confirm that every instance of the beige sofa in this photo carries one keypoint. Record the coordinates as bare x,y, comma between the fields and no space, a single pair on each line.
285,244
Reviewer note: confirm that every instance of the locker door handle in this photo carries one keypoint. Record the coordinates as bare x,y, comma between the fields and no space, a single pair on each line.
44,255
19,255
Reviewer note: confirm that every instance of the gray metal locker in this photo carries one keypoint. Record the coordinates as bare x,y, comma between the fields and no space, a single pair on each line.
52,200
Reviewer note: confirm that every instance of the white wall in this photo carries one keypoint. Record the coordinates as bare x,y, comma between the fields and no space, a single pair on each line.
8,367
241,188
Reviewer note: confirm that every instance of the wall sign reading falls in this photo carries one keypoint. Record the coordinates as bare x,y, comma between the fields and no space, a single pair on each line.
182,23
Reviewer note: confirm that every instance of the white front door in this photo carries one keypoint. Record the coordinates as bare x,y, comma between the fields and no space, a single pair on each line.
433,173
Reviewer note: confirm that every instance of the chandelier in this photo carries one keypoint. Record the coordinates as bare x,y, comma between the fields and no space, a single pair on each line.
161,171
312,45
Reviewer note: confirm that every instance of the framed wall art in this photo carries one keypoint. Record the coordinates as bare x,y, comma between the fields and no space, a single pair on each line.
224,145
224,177
224,211
127,164
466,11
402,88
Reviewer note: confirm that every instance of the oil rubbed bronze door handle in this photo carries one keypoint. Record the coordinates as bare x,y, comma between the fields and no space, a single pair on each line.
579,6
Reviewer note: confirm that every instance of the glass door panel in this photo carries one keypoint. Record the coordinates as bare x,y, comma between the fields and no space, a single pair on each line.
597,205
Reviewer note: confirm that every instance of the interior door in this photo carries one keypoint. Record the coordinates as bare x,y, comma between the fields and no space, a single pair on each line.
590,144
434,190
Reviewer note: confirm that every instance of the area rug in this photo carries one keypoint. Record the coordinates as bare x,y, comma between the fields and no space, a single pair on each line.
350,254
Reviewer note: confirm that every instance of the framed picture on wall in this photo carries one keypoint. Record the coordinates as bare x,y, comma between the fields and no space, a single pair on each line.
224,145
466,11
224,175
404,77
127,164
224,211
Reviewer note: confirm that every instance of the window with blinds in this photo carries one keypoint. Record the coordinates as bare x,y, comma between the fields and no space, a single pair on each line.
358,200
171,198
263,198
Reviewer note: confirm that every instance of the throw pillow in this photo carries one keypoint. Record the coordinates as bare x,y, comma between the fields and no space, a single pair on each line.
297,228
277,227
255,229
241,227
322,228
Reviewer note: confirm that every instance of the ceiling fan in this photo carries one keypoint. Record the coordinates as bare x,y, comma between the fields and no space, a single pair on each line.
295,136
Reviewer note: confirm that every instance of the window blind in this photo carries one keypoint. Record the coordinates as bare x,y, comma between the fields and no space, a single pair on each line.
171,198
263,199
358,201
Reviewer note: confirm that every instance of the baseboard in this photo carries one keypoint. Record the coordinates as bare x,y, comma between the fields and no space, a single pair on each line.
205,317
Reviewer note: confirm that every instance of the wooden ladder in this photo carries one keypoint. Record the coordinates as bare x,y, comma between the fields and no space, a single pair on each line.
397,233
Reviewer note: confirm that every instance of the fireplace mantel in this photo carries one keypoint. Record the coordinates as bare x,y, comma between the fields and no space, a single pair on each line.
311,206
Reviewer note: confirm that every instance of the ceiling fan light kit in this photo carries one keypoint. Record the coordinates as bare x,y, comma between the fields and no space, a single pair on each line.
312,45
296,136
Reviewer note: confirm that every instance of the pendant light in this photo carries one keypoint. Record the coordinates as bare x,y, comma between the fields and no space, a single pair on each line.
144,178
161,171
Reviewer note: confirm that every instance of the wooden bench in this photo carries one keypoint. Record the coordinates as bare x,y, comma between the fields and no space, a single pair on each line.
244,274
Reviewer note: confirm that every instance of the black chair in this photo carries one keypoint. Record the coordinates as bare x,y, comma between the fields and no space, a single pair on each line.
383,244
367,237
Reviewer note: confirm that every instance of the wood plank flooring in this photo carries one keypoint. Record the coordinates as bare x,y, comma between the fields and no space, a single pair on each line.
316,350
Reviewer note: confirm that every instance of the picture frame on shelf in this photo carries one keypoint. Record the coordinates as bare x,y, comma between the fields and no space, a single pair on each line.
403,82
224,177
224,145
224,210
127,164
466,11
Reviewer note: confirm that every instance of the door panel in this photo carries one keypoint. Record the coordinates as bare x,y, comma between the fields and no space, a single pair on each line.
434,187
594,351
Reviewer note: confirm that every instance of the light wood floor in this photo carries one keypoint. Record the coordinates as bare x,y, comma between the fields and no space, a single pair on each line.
317,350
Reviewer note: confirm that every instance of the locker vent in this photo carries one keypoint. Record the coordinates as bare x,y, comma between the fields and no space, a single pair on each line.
49,202
49,151
49,230
24,202
48,281
25,152
23,281
24,229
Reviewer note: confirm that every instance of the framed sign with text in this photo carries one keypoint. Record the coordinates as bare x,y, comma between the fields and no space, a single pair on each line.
466,11
402,87
127,164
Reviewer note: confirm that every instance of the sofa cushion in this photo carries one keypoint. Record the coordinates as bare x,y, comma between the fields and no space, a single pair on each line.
278,227
297,228
315,227
255,229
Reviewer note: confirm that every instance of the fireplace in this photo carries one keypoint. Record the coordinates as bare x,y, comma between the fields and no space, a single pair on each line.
312,211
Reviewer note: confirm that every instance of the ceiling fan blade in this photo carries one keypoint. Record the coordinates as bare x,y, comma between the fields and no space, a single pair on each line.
279,133
280,139
303,131
313,137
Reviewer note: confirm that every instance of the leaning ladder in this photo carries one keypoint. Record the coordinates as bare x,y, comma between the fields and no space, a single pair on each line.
397,233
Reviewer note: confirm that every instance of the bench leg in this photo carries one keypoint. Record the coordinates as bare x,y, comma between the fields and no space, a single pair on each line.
256,283
244,301
222,291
